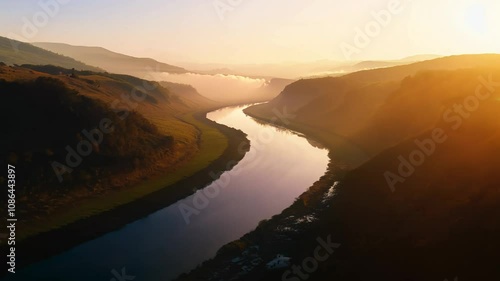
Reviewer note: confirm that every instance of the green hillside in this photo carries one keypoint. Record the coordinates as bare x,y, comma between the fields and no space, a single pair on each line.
159,138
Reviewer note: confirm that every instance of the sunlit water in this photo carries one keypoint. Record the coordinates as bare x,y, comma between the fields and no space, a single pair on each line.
279,167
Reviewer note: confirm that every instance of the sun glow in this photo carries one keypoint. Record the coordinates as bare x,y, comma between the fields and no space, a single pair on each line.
474,19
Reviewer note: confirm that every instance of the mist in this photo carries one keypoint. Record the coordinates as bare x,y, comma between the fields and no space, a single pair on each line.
218,87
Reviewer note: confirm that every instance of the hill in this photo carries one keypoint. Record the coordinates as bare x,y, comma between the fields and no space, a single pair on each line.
187,91
52,114
425,208
56,116
16,52
376,109
346,68
423,57
110,61
434,218
438,223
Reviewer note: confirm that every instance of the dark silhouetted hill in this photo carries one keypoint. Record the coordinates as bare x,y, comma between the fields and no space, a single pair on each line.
46,110
379,108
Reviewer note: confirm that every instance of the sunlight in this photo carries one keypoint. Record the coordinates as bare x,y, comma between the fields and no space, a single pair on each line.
249,139
474,19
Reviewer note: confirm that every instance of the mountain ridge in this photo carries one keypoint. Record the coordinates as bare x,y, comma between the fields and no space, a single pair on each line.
16,52
109,60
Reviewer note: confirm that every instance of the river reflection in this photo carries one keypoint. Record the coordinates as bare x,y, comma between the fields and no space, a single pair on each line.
278,168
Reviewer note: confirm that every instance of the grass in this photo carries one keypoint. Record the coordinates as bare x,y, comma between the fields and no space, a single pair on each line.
211,146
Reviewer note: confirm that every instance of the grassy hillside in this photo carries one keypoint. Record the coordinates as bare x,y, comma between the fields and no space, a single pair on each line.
110,61
54,116
51,108
356,106
15,52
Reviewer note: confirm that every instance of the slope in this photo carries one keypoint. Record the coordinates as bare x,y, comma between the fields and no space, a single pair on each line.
157,131
15,52
440,222
352,106
110,61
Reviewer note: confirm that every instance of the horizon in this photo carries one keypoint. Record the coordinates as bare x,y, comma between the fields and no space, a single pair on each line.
250,140
257,32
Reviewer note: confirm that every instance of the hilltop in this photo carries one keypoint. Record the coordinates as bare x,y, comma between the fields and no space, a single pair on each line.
157,130
109,60
16,52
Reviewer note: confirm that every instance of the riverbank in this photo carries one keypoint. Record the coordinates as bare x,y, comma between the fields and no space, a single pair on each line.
289,233
435,226
345,150
136,202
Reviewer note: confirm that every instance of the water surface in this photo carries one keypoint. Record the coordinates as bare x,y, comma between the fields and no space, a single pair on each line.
280,166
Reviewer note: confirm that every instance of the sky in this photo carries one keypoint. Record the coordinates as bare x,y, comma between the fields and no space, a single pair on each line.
260,31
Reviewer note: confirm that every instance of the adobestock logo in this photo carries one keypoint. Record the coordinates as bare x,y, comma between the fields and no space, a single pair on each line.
455,117
224,6
310,264
121,276
91,140
31,26
363,37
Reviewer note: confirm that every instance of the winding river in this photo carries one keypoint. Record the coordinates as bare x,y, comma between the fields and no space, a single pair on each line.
279,167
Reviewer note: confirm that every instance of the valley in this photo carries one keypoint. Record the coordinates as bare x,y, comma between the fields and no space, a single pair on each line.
250,140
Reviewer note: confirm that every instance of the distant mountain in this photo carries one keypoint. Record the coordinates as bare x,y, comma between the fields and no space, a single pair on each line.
364,65
420,58
110,61
16,52
295,70
288,70
369,65
359,66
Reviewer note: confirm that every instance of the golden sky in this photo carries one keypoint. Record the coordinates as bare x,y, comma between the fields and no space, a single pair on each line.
262,31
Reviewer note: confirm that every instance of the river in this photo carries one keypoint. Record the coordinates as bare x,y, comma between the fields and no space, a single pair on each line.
279,167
